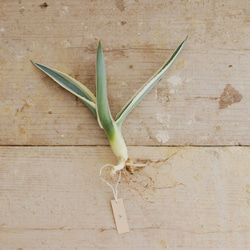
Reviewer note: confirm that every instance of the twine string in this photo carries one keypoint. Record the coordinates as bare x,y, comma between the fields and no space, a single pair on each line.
115,190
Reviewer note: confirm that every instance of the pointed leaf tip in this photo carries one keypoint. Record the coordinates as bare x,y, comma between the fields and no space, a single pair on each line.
137,97
70,84
185,40
99,45
102,107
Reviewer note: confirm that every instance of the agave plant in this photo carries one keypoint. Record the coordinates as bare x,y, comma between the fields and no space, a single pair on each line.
98,104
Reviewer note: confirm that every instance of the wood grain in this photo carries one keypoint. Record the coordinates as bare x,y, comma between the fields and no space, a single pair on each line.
51,148
184,198
188,107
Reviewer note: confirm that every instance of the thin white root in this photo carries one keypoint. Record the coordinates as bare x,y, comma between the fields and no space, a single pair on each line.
118,167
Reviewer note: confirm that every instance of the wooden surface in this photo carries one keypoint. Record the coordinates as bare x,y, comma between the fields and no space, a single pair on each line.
52,198
188,107
51,148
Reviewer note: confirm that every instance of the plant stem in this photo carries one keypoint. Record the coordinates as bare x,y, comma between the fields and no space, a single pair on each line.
119,148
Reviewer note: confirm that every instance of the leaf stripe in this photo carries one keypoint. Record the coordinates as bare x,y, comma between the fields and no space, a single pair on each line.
137,97
105,119
72,85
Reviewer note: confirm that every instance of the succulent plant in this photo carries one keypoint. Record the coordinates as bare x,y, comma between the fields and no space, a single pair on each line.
98,104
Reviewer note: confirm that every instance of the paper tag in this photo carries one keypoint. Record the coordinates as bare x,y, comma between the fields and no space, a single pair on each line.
120,216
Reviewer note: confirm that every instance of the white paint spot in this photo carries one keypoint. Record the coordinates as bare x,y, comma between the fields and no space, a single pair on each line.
162,137
159,117
172,91
175,80
19,57
29,100
86,27
163,118
2,30
66,8
187,80
66,44
190,122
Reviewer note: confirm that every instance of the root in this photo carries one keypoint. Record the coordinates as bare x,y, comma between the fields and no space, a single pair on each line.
128,166
131,168
144,176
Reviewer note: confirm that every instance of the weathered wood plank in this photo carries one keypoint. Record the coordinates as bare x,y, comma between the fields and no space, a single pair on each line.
191,105
70,239
185,198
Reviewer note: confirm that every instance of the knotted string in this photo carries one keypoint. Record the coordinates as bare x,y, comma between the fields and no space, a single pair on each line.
115,190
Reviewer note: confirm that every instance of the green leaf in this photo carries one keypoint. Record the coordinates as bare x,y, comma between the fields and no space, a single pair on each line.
72,85
137,97
103,112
